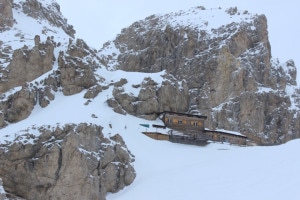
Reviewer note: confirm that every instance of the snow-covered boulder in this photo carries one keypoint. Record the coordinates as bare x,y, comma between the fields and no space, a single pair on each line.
68,162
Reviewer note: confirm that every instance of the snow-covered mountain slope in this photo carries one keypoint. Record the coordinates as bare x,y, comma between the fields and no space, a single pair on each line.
29,23
214,172
164,170
173,171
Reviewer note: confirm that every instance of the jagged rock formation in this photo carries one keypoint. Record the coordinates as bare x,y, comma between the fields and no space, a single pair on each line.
70,162
74,73
227,68
70,71
153,98
18,106
6,14
36,9
28,64
19,66
76,68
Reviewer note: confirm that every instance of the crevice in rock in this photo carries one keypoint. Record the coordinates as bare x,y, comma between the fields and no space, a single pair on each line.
59,164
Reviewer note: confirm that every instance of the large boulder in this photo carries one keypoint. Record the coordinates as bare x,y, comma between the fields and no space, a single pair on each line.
69,162
17,106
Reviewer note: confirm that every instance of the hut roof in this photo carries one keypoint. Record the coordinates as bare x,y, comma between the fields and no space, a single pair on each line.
185,114
236,134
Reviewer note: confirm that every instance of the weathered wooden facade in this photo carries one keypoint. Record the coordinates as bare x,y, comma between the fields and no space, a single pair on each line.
186,123
177,137
157,136
221,136
193,127
182,139
187,139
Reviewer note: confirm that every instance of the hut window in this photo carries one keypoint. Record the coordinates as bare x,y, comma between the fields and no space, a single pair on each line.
195,123
179,121
200,123
169,121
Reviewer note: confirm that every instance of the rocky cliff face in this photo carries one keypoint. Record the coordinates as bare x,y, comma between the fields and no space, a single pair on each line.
227,68
153,98
70,71
28,64
6,15
69,162
76,67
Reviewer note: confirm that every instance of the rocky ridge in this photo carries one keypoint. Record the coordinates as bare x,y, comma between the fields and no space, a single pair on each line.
46,63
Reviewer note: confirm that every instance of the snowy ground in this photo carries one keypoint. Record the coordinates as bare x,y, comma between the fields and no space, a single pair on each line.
174,171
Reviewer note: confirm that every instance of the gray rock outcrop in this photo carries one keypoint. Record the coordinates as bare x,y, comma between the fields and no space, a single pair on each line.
75,72
18,106
69,162
51,13
76,67
28,64
153,98
6,14
18,95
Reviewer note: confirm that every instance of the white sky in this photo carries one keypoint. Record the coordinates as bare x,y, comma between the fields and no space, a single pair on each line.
100,20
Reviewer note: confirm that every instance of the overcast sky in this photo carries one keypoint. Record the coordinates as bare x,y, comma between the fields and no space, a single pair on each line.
97,21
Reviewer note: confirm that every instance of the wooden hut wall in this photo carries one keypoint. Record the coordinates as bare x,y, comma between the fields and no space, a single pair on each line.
157,136
183,122
225,137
